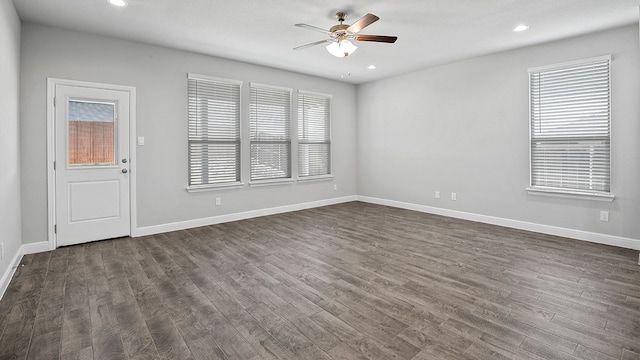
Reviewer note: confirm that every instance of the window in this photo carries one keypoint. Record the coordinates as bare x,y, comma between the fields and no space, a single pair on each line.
314,134
214,131
270,123
570,119
92,133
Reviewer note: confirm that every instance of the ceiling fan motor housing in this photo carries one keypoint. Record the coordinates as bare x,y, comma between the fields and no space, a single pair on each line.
339,30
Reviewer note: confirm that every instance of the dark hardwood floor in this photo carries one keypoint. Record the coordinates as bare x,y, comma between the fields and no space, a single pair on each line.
350,281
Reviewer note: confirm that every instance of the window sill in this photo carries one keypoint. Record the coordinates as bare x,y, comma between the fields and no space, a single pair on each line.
316,178
568,194
214,187
271,182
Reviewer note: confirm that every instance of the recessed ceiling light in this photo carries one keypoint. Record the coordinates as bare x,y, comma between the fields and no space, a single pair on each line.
521,27
120,3
371,67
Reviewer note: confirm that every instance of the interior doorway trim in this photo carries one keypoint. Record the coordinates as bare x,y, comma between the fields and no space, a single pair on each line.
51,155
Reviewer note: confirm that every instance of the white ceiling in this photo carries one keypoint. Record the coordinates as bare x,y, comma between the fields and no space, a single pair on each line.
262,31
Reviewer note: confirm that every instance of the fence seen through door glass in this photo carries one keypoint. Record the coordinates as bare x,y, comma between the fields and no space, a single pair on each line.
91,133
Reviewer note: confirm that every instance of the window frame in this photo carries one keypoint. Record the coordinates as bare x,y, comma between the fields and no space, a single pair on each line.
590,194
289,141
237,183
329,141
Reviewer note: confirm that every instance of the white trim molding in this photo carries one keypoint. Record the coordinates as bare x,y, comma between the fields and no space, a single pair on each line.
24,249
613,240
188,224
214,187
570,63
567,194
304,179
271,182
8,274
34,248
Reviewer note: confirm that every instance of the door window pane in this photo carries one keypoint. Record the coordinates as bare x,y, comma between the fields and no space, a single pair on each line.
91,133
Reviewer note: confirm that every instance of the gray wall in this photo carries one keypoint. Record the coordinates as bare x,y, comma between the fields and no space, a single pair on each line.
463,128
9,133
160,77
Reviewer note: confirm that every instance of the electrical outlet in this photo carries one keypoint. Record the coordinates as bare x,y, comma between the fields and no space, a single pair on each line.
604,216
218,201
454,197
437,194
335,187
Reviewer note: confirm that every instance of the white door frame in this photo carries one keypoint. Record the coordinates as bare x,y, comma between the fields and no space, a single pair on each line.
51,153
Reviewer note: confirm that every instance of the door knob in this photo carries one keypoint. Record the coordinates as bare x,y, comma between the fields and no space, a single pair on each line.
124,161
124,171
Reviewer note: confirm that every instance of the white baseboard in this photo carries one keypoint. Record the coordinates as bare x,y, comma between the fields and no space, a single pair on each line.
188,224
36,247
22,250
8,274
619,241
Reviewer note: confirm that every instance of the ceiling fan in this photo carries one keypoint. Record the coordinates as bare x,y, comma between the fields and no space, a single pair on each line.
339,35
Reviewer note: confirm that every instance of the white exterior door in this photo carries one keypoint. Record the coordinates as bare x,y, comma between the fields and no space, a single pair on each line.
91,164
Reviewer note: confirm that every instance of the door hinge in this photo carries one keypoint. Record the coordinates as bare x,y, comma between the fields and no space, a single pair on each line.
54,166
54,101
55,228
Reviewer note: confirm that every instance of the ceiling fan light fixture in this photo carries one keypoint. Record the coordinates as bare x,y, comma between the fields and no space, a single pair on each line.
341,48
334,49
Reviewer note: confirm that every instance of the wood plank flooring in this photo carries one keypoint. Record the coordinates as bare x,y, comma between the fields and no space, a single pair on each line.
349,281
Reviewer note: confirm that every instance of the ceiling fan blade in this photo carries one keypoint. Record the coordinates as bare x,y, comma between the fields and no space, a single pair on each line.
314,28
312,44
362,23
376,38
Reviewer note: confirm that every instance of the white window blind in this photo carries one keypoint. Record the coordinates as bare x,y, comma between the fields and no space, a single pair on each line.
314,134
214,131
270,134
570,118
